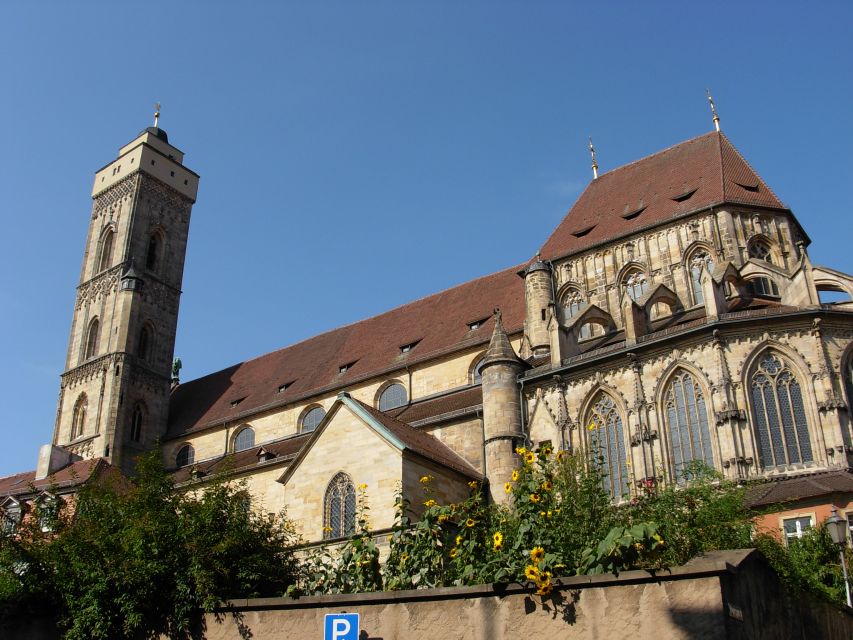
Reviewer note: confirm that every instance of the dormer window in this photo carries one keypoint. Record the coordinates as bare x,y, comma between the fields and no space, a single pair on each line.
473,326
582,232
346,367
237,401
633,214
264,455
284,387
408,347
685,196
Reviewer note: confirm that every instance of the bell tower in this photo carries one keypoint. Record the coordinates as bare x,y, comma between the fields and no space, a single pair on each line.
114,392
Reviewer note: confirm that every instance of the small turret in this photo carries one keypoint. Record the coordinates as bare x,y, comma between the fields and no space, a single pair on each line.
501,409
539,300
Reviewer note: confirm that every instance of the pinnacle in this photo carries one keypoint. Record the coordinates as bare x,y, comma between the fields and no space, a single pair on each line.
500,348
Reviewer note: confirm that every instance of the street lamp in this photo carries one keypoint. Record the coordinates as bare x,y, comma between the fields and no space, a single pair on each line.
837,527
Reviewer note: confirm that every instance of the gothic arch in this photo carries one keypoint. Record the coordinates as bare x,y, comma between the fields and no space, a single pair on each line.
244,438
568,285
138,418
632,265
146,341
155,249
762,240
474,376
78,416
687,427
691,275
106,248
90,348
610,432
339,505
846,370
784,425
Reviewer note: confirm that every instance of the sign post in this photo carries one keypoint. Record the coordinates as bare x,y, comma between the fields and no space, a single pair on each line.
341,626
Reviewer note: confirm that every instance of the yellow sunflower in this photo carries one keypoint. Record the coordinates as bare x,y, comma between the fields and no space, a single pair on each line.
560,455
458,540
547,451
534,498
515,476
591,426
498,541
469,523
426,479
443,518
547,485
520,451
430,503
536,554
531,572
453,552
508,487
473,484
529,457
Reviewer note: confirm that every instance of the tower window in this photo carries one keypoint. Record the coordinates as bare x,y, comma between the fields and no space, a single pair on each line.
78,417
106,255
92,339
136,424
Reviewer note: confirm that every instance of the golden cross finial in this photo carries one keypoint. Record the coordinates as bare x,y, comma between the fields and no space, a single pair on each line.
594,163
156,114
713,110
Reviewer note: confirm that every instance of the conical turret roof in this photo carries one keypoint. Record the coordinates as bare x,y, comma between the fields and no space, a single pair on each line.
500,348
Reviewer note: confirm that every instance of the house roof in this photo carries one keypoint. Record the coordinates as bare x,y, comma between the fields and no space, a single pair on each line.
437,323
459,401
72,475
690,176
800,487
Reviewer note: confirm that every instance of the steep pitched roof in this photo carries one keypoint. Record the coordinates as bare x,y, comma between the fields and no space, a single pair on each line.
438,323
74,474
443,406
690,176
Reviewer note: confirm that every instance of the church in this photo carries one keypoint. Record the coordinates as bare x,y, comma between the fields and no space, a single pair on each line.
673,316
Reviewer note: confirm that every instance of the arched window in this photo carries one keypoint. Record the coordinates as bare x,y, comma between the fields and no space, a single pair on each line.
245,439
760,250
764,287
636,284
312,419
339,507
607,440
186,456
686,423
78,416
394,396
92,339
848,388
105,256
143,345
152,256
779,414
477,372
700,260
572,303
136,420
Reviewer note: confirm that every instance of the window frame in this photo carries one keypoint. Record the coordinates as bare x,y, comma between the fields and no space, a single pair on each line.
798,535
615,440
701,413
339,499
239,437
190,457
309,411
383,394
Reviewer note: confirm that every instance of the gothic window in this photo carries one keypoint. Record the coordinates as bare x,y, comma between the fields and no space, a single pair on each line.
78,417
848,388
152,256
700,260
339,508
687,423
143,345
572,304
136,421
312,419
186,456
764,287
106,254
394,396
779,414
477,373
245,439
636,284
92,339
760,250
608,443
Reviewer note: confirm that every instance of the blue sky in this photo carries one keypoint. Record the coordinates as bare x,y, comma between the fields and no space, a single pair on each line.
356,156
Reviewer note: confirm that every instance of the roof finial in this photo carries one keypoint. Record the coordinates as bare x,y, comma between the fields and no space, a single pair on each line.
713,110
156,114
594,163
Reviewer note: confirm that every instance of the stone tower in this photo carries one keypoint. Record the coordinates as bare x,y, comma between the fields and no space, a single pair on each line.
114,393
539,301
501,409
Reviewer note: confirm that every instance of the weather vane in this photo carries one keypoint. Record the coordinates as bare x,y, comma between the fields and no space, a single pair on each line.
156,114
713,110
594,163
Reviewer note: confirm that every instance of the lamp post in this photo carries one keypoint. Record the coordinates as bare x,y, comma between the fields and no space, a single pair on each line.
837,531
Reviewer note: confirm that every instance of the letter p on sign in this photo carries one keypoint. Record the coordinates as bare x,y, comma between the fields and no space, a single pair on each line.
341,626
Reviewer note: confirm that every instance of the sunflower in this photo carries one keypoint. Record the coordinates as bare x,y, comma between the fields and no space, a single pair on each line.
536,554
534,498
426,479
520,450
473,484
508,487
529,457
515,475
458,540
362,486
498,540
453,552
469,523
546,451
591,426
531,572
547,485
430,503
560,455
443,518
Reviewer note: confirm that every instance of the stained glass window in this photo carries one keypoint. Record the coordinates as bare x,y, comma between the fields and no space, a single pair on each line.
245,439
636,285
607,440
339,507
394,396
312,419
779,414
687,423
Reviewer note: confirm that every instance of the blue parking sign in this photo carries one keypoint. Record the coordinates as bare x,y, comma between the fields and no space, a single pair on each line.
341,626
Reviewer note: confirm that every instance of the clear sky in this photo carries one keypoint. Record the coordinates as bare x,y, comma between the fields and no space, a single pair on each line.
355,156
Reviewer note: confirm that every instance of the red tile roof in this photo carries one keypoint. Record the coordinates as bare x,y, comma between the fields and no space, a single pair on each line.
801,487
450,403
656,187
74,474
438,322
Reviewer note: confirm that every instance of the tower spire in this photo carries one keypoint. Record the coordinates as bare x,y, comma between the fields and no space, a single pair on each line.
716,118
594,163
156,114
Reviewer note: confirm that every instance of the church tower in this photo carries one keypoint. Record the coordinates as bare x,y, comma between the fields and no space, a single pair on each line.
114,393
